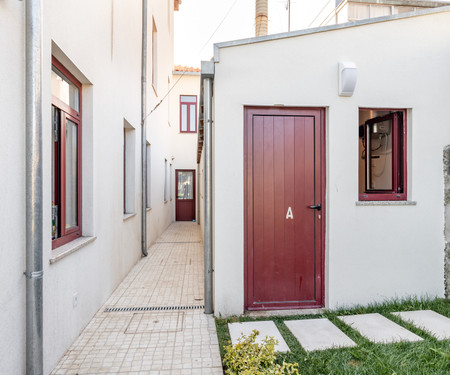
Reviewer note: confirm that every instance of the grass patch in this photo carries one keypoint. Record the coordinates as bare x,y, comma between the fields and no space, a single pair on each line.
430,356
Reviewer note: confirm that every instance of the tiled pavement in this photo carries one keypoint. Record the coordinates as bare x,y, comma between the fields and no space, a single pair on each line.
181,340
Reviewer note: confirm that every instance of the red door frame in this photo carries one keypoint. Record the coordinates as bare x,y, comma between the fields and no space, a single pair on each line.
319,114
194,201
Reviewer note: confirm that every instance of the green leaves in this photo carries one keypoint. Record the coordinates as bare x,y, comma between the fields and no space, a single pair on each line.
250,358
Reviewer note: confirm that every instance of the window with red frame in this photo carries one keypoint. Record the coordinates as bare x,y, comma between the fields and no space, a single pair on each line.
382,155
66,155
188,114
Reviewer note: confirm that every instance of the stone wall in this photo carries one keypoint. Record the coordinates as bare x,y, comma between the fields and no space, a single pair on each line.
447,219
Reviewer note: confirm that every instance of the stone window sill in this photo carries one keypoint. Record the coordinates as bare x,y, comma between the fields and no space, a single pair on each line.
386,203
69,248
128,216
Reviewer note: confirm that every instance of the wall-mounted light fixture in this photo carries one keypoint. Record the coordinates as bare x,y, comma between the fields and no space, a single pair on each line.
347,78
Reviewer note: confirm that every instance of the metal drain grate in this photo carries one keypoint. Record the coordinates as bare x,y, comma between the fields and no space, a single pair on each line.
154,308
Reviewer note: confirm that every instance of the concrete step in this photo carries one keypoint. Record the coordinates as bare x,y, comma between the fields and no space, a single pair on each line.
318,334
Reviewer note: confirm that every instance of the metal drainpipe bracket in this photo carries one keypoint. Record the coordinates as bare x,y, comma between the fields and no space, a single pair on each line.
34,275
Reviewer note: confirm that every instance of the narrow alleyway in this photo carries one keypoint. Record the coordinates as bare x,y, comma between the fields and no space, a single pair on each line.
154,321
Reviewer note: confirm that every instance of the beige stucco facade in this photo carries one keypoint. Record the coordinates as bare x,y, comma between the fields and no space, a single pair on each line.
100,44
184,145
376,251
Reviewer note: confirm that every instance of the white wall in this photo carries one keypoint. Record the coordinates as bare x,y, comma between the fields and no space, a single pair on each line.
100,43
159,130
184,145
372,252
12,189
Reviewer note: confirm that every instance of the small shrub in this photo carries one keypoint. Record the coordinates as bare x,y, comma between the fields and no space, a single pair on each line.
250,358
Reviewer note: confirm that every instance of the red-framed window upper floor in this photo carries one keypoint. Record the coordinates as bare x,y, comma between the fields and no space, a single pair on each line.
66,156
382,154
188,113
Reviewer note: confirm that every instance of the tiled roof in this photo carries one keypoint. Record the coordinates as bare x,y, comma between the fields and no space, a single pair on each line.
179,68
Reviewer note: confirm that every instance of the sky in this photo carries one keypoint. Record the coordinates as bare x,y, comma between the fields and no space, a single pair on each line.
197,20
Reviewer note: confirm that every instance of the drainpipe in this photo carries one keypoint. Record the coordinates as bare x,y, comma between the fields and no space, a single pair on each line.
208,76
34,198
144,129
198,194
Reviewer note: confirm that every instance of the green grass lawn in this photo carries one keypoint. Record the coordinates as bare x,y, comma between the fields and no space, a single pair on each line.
428,357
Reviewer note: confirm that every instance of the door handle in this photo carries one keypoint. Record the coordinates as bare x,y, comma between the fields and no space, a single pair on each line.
318,207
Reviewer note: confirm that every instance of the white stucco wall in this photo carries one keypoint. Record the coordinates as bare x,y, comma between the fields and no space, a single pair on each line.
100,43
159,130
184,145
373,253
12,189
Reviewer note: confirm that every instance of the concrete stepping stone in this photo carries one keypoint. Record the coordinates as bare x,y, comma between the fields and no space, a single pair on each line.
428,320
318,334
378,329
265,328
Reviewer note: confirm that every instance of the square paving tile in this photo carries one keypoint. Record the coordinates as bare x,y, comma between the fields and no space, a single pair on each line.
428,320
378,329
152,342
265,328
155,322
318,334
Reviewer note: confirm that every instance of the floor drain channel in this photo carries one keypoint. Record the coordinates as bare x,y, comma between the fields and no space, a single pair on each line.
154,308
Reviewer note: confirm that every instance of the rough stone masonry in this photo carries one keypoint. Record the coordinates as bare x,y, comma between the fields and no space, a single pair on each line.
447,220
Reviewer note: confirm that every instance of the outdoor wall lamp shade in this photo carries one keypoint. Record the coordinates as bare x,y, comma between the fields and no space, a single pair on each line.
347,78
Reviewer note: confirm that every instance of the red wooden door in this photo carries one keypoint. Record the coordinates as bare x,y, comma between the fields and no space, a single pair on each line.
185,194
284,166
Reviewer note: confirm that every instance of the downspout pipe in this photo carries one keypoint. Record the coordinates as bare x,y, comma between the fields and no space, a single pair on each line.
207,83
198,193
33,190
144,128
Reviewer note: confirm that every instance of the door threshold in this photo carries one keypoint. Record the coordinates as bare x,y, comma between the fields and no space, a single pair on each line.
257,314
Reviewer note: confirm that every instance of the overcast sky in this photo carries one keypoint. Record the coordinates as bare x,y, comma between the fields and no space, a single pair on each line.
196,21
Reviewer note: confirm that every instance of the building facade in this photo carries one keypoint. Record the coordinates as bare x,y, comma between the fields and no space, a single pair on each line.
327,165
91,139
341,11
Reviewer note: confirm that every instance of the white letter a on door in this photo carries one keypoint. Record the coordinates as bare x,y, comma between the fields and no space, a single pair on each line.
289,214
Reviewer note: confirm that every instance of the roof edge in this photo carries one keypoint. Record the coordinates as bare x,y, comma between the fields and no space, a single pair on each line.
410,3
315,30
185,73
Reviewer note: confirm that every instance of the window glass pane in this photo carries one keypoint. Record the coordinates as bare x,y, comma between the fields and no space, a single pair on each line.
170,179
379,175
403,9
185,189
379,10
71,174
149,176
65,90
183,117
165,181
188,99
358,11
192,118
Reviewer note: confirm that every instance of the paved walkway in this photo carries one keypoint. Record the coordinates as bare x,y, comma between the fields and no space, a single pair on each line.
154,322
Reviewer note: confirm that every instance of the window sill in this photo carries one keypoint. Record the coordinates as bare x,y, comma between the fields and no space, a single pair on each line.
386,203
69,248
128,216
